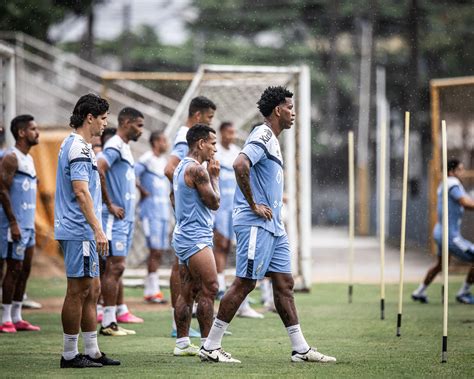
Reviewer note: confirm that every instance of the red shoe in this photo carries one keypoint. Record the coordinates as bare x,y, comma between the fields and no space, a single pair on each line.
26,326
100,317
7,327
157,298
129,318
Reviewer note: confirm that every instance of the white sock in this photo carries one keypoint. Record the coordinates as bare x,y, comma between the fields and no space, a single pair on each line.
421,289
203,341
183,342
173,321
91,348
221,281
7,313
151,284
70,346
245,304
109,316
214,339
465,287
122,309
298,342
156,283
16,311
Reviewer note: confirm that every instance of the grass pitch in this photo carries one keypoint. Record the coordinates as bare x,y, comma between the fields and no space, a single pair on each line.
365,346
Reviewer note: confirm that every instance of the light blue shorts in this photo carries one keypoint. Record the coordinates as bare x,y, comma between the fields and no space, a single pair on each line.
460,247
10,249
185,248
157,233
223,223
80,258
260,252
120,235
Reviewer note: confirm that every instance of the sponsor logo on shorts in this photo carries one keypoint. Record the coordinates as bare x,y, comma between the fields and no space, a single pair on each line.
119,246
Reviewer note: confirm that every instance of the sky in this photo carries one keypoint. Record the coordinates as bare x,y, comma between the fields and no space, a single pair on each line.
168,17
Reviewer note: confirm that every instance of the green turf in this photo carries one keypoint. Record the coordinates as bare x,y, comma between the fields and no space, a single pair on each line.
365,346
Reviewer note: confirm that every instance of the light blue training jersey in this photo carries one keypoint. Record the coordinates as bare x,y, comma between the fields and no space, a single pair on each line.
120,177
266,181
194,221
22,192
227,181
150,171
455,210
76,161
180,144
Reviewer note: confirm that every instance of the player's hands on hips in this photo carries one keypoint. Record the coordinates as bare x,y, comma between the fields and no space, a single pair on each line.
213,168
101,242
15,231
117,211
261,210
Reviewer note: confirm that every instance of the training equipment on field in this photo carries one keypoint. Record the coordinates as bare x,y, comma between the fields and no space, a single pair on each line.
382,189
444,346
351,212
403,221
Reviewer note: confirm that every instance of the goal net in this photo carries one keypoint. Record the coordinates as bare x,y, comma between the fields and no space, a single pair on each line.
235,90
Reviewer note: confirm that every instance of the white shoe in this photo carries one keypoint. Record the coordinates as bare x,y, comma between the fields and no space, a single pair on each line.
312,355
190,350
217,356
248,312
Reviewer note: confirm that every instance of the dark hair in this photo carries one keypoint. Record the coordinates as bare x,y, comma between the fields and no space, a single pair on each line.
200,103
271,98
129,113
198,132
108,132
225,125
20,122
154,136
90,103
453,164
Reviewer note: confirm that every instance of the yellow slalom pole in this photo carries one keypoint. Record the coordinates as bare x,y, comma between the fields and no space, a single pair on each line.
444,349
383,144
351,212
404,219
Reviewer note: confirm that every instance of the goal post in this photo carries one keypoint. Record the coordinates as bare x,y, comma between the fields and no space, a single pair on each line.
236,90
7,90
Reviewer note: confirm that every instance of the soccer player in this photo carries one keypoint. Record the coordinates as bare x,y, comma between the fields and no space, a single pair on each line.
195,194
262,243
224,235
154,210
17,220
116,168
457,245
201,111
77,227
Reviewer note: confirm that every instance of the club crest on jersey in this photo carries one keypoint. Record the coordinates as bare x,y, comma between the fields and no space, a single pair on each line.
25,185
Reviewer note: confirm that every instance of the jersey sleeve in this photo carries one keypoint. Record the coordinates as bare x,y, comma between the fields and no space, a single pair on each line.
180,150
139,170
254,151
110,155
456,192
80,162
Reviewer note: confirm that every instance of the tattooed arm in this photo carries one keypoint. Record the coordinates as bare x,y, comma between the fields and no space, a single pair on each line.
206,183
242,175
